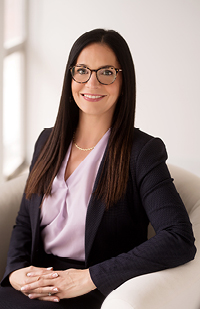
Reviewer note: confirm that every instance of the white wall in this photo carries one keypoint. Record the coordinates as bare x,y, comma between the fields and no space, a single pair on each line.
164,38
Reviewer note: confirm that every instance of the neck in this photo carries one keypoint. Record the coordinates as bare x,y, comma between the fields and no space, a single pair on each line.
90,130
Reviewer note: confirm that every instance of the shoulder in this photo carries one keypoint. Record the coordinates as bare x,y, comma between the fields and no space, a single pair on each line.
143,142
147,152
41,141
44,135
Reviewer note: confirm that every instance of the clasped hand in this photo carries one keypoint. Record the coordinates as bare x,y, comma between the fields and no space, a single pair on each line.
49,285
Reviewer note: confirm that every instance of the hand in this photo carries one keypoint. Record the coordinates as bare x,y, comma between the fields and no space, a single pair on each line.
69,283
29,275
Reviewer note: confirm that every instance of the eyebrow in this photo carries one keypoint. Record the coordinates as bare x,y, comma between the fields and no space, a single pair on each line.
102,67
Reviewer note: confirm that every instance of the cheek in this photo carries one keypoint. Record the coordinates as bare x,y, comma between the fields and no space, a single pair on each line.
76,87
117,86
115,91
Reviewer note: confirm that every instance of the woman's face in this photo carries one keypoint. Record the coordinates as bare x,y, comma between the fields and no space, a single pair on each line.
92,97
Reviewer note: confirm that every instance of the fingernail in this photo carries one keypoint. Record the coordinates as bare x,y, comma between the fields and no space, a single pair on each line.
55,275
23,288
55,289
29,274
49,268
56,300
30,296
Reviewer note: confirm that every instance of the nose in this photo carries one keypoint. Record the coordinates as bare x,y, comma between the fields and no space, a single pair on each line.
93,82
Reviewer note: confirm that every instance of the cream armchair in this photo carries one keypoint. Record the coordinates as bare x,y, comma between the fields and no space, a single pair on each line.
177,288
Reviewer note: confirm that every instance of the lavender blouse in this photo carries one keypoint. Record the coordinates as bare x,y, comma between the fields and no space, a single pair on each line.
63,214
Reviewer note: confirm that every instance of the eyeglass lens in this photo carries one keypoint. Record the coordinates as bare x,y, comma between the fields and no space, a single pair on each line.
82,74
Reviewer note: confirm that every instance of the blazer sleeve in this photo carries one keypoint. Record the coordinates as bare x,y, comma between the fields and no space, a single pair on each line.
19,253
173,243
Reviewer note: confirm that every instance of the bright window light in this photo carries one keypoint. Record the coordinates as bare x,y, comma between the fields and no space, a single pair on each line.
13,20
12,113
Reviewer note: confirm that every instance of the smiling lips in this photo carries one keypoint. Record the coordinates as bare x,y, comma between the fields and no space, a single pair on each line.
92,98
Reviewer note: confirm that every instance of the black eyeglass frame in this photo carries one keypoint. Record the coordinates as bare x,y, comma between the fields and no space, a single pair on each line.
106,67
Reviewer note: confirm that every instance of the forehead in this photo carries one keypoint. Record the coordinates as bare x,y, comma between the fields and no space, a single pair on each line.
97,55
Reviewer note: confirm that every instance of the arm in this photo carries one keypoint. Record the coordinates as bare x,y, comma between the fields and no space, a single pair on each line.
173,244
19,254
38,282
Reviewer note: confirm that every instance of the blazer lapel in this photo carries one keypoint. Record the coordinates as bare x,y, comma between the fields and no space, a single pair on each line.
35,222
94,215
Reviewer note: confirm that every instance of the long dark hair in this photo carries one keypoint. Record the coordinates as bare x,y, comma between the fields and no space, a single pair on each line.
115,172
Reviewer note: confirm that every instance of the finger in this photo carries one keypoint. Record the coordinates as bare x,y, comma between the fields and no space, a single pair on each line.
51,275
43,291
47,297
42,283
39,272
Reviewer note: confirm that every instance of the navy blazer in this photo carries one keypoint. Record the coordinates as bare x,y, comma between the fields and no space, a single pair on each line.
116,245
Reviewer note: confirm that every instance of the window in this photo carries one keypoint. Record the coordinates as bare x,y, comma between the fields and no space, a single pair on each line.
13,85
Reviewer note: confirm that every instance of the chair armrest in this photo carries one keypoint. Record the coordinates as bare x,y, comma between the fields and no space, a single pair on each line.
176,288
10,198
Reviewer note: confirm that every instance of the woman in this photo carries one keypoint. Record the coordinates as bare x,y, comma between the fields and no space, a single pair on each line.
95,182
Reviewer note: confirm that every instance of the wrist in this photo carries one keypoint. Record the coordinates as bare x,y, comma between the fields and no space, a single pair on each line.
10,276
90,282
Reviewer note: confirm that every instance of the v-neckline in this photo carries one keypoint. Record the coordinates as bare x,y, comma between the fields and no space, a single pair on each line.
61,173
78,166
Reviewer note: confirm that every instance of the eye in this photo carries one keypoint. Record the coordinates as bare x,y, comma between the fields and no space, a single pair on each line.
107,72
81,71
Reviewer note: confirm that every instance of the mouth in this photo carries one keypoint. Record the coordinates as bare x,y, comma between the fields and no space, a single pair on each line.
92,97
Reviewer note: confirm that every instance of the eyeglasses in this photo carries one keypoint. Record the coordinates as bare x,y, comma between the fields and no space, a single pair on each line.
106,75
